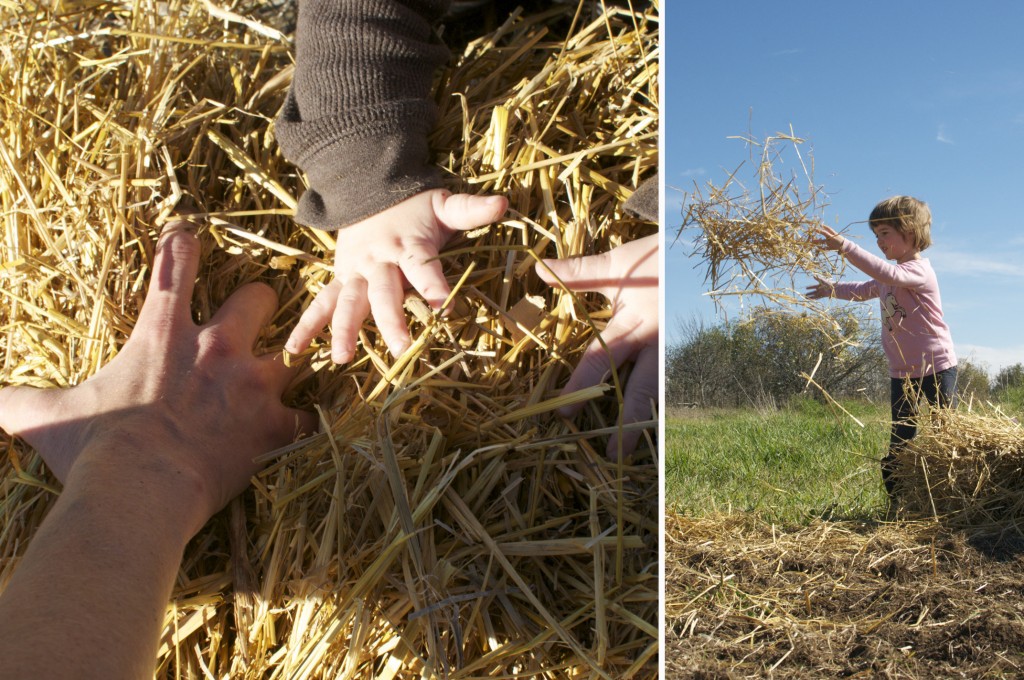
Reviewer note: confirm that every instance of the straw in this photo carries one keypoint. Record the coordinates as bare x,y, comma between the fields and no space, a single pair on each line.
446,522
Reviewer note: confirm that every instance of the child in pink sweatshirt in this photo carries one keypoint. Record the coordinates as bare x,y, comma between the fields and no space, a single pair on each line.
915,338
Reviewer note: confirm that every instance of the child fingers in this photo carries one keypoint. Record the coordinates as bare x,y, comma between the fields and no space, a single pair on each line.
348,315
316,317
426,276
466,211
386,295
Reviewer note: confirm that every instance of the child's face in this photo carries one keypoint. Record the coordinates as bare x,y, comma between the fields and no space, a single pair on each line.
893,244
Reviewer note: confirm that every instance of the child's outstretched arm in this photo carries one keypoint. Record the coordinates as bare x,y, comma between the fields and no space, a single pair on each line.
830,239
907,275
356,120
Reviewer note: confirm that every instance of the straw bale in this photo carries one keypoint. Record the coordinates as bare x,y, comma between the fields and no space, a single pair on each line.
965,468
446,521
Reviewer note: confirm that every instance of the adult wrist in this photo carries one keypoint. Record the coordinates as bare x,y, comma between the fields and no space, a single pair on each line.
151,481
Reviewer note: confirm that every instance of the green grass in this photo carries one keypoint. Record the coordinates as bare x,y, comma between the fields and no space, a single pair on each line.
786,466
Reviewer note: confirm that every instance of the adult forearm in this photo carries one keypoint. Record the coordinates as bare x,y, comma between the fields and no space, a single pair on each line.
89,596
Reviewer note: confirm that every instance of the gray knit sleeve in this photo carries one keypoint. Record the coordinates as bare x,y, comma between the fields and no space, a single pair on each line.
644,201
359,111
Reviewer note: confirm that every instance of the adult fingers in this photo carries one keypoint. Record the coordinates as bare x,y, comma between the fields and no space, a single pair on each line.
640,393
386,294
465,211
424,273
244,313
351,310
175,267
584,274
596,362
315,318
306,423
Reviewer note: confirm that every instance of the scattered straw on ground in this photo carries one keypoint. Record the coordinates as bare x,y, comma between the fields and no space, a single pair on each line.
448,522
745,599
965,468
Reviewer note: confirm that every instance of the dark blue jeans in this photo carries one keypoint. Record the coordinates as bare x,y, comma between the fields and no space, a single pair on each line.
905,393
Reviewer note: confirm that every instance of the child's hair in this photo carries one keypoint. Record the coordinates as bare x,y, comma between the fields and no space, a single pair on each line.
907,215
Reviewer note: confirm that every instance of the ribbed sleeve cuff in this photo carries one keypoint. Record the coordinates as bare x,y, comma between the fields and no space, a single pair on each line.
380,161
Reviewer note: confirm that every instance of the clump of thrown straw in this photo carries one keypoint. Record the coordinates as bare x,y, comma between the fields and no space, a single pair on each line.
965,468
754,242
446,521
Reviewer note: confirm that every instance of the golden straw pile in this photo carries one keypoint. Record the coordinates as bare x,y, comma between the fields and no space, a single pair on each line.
446,522
966,468
754,242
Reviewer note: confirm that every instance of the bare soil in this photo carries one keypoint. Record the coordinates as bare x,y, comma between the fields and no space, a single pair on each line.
745,599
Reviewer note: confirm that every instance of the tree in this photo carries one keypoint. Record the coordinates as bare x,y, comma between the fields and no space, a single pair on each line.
760,360
1009,377
972,381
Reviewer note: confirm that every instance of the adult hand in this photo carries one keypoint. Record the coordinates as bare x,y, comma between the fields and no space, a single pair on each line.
822,289
377,259
628,276
828,238
190,400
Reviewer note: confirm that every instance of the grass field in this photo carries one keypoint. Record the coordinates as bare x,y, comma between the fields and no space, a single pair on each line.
789,465
780,563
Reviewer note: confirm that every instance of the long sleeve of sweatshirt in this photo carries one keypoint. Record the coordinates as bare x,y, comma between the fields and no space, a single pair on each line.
915,337
357,116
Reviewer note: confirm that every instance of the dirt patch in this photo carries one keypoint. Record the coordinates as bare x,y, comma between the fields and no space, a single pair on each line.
839,599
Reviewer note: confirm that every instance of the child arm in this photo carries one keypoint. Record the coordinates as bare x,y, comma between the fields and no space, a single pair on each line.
356,120
906,274
358,112
856,291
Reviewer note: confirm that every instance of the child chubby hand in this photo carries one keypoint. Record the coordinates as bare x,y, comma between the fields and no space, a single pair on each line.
379,257
822,289
356,120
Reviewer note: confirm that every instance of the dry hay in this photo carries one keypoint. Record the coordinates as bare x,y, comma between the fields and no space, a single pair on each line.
965,468
746,599
450,523
753,243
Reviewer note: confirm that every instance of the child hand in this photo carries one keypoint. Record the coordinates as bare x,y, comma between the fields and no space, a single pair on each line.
829,238
823,289
628,276
377,259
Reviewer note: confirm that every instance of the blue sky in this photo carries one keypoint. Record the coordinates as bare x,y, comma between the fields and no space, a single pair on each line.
917,98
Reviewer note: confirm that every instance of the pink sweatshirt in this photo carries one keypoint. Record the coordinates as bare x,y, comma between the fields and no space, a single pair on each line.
916,340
